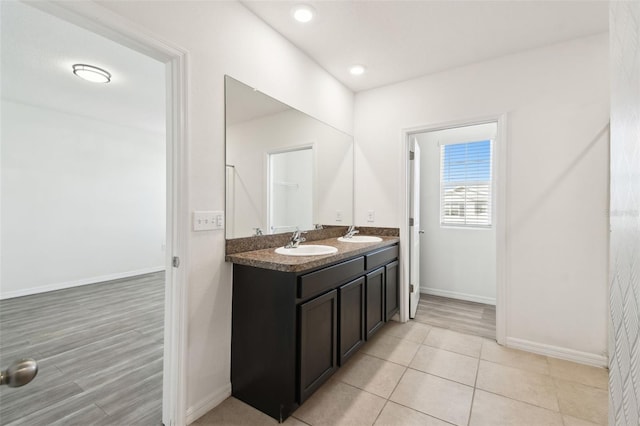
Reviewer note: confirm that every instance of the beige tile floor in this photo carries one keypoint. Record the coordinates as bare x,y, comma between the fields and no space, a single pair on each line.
416,374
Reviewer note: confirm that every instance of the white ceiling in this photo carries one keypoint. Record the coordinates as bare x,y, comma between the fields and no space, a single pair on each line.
38,51
396,40
399,40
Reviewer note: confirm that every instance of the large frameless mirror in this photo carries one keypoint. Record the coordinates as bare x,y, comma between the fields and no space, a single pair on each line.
285,170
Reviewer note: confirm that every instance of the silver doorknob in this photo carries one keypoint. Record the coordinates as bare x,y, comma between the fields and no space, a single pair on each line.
19,373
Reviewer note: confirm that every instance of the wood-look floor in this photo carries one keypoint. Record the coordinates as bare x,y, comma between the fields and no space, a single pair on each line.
458,315
99,350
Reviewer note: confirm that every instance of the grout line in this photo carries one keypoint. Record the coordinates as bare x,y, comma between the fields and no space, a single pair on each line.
516,368
300,420
452,352
383,359
508,397
413,409
475,383
449,350
383,407
522,402
407,368
440,377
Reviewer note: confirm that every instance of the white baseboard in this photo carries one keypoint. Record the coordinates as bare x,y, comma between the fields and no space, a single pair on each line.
558,352
208,403
78,283
457,295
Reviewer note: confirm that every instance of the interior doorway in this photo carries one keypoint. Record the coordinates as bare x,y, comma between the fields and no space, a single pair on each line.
455,225
97,170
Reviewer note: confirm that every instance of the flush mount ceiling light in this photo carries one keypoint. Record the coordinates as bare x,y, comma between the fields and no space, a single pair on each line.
357,70
303,13
91,73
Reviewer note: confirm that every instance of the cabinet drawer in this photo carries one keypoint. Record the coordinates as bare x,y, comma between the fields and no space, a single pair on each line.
329,278
380,257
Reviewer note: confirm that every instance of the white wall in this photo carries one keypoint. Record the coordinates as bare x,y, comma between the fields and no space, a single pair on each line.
225,38
83,200
247,146
624,333
455,262
557,105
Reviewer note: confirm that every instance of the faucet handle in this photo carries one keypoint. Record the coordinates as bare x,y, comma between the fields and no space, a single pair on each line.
351,232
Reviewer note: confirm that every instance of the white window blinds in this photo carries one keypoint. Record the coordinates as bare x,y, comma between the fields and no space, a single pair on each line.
465,184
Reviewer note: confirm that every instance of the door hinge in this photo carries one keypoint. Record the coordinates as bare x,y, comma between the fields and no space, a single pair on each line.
411,287
176,261
410,221
412,155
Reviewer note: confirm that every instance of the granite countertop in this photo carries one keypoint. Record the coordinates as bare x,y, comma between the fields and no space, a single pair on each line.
269,259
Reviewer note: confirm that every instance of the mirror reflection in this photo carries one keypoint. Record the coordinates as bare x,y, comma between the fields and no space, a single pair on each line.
285,170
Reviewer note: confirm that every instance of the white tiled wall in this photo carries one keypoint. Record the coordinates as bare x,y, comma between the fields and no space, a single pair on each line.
624,334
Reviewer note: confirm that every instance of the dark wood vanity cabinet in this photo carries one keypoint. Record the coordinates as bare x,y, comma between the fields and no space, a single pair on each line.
318,341
375,301
291,330
351,318
392,300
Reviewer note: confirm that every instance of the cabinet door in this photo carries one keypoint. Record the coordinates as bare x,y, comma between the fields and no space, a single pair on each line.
350,318
318,342
375,301
392,302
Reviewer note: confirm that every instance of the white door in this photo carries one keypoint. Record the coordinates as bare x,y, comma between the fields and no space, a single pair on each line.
291,190
414,232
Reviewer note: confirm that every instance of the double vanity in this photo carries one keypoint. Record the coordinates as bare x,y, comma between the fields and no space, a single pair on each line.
301,308
297,318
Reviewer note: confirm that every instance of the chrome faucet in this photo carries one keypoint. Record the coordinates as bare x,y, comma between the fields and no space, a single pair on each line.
296,239
351,232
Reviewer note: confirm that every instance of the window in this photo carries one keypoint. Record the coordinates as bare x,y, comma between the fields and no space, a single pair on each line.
465,184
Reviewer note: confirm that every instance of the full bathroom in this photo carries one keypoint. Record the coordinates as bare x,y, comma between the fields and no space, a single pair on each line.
296,273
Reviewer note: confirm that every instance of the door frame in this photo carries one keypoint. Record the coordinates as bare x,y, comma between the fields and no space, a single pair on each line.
102,21
500,180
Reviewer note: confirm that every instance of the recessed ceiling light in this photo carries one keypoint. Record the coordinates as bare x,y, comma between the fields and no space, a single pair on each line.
357,70
303,13
91,73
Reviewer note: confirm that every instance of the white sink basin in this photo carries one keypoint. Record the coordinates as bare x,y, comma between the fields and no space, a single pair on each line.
360,239
307,250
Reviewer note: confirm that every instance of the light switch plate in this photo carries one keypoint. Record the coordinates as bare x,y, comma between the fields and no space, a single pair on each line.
338,215
208,220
